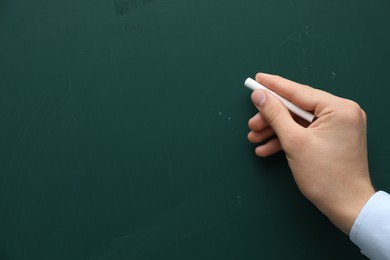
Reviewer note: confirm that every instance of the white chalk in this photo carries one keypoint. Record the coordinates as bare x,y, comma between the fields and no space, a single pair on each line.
253,85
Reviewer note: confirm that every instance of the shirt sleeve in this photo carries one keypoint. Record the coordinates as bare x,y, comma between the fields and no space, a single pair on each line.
371,230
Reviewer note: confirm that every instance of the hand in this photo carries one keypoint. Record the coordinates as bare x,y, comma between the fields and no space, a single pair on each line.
328,158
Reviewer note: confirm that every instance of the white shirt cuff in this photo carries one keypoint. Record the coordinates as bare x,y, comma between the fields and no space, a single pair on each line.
371,230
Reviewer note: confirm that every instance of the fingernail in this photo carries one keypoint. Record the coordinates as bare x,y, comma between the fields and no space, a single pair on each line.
261,97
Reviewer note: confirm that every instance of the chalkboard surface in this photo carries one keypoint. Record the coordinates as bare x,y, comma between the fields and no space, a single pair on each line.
123,125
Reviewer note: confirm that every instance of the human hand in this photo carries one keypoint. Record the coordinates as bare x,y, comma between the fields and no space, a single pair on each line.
328,158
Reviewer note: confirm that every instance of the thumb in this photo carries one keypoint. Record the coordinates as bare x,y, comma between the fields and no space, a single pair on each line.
275,113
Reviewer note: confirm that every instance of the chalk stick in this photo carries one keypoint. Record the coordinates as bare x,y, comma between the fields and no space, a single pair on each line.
253,85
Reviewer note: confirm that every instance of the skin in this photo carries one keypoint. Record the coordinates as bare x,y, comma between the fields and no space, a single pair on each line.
327,158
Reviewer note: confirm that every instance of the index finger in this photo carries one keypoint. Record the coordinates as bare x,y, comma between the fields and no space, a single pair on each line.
305,97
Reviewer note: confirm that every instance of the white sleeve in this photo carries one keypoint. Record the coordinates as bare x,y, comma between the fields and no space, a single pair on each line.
371,230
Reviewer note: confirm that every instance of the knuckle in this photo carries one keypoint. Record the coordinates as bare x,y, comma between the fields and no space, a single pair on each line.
307,86
254,124
272,113
278,77
364,115
250,136
352,112
250,124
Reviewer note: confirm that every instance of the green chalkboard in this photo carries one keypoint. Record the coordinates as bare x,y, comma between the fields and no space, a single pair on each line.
123,125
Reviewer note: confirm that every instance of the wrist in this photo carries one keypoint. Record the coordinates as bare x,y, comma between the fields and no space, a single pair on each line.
343,215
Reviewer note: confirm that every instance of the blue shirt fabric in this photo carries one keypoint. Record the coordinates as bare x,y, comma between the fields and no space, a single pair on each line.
371,230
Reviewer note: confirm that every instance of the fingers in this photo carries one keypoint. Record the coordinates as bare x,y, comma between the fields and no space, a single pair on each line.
257,123
303,96
364,116
271,147
275,114
260,136
260,133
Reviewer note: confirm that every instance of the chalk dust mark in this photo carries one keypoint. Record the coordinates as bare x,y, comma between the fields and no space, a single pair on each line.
289,57
123,7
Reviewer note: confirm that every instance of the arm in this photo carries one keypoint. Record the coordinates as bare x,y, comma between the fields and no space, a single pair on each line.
328,158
